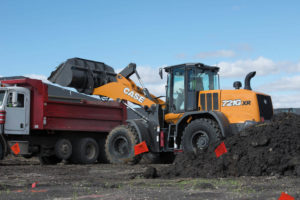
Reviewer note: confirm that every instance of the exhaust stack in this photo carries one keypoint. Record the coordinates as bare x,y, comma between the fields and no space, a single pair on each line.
248,79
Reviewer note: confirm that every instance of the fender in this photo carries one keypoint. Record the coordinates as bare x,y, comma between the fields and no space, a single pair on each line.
146,132
218,116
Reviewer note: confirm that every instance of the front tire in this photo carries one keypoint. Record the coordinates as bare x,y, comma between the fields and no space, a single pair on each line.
199,134
119,146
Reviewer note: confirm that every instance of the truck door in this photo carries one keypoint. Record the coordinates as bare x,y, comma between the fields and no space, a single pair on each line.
17,112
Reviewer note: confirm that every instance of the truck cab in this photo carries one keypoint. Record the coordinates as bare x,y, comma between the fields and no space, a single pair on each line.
15,110
54,123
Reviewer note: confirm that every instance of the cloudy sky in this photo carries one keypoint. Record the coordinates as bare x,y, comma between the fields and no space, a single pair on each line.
238,36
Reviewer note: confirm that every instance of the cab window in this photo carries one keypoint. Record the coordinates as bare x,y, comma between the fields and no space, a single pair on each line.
178,89
19,103
2,94
207,80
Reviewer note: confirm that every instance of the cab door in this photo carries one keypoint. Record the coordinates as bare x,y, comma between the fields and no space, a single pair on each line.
17,112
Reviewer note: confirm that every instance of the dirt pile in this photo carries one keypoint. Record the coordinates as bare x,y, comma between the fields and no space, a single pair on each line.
271,148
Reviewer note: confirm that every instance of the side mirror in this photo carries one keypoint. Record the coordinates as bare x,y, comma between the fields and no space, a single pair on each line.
14,99
161,73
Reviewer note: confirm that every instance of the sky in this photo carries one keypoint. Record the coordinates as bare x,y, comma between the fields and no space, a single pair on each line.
238,36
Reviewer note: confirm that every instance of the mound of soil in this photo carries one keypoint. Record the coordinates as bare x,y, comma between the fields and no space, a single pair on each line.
271,148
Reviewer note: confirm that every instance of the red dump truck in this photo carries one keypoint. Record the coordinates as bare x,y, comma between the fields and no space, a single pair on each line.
54,123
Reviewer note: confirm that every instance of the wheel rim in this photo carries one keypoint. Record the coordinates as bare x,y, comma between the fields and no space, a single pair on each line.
200,140
65,149
90,151
121,146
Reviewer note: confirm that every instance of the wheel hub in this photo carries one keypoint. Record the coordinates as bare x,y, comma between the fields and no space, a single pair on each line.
90,151
200,140
121,146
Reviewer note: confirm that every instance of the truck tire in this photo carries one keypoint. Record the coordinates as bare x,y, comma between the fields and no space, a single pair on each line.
199,134
49,160
63,149
85,151
119,146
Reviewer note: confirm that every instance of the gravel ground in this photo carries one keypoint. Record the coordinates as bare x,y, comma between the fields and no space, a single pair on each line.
105,181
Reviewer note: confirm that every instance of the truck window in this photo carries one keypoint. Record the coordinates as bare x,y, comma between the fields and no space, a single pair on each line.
2,93
20,101
9,100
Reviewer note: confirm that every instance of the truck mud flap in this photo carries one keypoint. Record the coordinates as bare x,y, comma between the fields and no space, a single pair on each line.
83,75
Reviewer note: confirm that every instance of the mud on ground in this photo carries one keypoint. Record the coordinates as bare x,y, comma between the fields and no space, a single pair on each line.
266,149
105,181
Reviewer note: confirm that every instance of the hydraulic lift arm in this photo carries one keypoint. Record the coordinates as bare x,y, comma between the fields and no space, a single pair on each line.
91,77
125,89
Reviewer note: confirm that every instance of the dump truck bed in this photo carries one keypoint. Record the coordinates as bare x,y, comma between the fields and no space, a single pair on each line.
56,108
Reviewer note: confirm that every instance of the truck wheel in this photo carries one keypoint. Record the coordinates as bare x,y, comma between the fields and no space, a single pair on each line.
119,146
85,151
199,134
49,160
63,148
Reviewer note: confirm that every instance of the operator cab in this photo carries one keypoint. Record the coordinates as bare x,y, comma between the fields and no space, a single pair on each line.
184,83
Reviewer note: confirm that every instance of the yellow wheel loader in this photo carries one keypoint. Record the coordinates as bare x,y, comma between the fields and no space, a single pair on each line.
195,113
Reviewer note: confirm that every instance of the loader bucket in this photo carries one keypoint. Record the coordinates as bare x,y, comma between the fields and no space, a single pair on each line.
83,75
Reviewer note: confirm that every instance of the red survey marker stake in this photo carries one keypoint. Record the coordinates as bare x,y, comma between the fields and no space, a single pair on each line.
15,148
34,185
285,196
220,150
140,148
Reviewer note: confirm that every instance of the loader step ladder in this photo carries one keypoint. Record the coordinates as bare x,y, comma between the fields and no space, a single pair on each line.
171,142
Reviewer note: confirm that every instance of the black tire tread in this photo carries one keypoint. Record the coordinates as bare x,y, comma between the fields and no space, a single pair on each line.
134,138
196,122
76,156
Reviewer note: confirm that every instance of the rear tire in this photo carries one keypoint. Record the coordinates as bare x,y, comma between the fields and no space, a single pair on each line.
85,151
199,134
63,149
49,160
119,146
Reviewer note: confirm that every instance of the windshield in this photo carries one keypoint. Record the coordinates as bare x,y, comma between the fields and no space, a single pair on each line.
2,93
207,80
